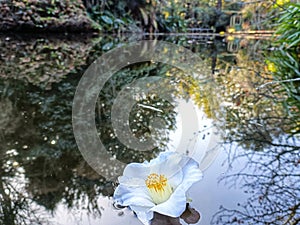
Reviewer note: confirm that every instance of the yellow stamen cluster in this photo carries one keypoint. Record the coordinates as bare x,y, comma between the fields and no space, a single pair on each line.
158,187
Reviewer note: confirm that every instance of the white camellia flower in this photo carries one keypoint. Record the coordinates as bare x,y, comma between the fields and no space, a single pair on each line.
157,186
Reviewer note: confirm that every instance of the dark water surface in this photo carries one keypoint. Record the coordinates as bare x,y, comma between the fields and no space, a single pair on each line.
245,138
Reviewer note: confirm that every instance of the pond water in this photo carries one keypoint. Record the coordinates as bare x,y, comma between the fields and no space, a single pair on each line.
224,113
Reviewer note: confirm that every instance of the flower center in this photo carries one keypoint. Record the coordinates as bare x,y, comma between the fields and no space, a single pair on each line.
158,187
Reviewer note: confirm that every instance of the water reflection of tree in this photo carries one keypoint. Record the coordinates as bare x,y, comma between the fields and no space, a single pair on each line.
271,179
139,117
259,132
42,59
35,171
53,169
250,111
15,207
52,164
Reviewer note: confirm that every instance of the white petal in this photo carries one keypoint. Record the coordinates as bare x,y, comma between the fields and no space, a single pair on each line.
144,214
191,174
131,181
176,204
176,179
128,196
168,164
137,170
162,157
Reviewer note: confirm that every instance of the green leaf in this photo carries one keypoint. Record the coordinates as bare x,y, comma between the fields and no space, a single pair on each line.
107,46
107,19
119,21
294,43
145,16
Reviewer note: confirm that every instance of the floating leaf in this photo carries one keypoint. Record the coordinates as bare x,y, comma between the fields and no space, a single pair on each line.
190,215
160,219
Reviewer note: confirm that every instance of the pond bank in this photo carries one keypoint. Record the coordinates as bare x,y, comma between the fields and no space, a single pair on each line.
45,15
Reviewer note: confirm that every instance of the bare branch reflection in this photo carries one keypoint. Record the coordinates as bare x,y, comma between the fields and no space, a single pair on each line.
270,176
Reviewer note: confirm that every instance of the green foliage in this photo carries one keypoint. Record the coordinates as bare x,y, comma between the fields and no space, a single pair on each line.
172,17
289,27
205,16
47,15
180,16
287,59
112,17
155,16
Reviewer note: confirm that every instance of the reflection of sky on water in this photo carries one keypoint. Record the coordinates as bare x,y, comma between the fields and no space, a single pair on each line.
109,215
195,134
208,194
